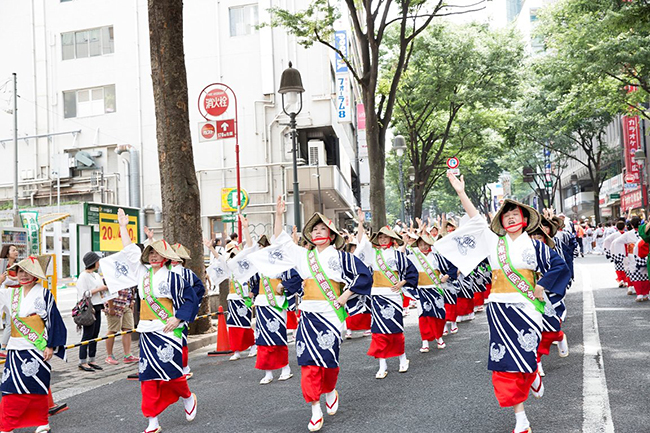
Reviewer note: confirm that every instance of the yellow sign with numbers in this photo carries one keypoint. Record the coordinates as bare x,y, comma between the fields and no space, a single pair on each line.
109,231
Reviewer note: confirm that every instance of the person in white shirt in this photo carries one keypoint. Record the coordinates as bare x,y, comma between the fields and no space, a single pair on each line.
90,285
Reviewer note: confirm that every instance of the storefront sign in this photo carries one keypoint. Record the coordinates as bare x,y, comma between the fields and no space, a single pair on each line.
633,199
631,142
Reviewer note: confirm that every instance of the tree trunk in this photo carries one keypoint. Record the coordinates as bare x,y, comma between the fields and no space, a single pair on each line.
597,199
376,161
418,200
179,187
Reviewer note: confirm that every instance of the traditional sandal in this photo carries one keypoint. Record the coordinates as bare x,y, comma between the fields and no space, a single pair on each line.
381,374
192,413
332,408
404,368
315,426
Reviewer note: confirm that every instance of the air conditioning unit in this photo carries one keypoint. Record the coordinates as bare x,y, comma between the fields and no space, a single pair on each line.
316,151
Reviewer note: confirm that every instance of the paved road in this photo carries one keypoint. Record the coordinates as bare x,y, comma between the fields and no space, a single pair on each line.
444,391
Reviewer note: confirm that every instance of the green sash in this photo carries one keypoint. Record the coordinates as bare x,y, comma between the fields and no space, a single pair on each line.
515,278
325,285
24,329
158,309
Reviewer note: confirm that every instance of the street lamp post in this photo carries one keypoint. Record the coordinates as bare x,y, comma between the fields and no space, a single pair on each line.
399,146
291,90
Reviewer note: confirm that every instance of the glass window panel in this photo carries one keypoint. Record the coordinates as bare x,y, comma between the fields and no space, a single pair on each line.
109,99
236,17
98,94
81,39
69,104
67,45
107,40
95,43
83,96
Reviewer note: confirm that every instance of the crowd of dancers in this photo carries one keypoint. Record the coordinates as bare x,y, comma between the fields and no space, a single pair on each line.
323,286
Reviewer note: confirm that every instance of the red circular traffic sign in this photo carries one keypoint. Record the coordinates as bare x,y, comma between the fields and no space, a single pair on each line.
453,162
216,102
629,178
208,131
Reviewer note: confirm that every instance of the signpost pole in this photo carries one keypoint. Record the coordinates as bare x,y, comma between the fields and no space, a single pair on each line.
238,170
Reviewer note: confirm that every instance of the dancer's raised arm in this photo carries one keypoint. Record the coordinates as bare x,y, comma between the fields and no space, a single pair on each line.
459,187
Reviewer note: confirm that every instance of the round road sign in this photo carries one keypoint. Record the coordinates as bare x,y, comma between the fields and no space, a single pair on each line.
629,178
208,131
216,102
453,162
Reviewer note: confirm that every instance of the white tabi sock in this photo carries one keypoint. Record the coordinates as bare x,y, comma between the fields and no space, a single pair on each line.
286,370
188,403
383,366
269,374
186,369
522,421
440,340
537,382
425,344
316,412
153,423
402,359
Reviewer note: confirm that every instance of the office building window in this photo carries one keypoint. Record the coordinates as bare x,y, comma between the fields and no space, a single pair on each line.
243,20
89,102
87,43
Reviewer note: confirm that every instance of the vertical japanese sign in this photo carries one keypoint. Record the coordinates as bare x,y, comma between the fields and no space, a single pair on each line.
631,143
30,222
343,98
341,44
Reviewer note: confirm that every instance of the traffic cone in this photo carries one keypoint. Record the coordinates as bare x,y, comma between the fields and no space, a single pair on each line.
223,345
54,408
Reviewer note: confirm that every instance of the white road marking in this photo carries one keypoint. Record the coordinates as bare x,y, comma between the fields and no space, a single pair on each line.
597,415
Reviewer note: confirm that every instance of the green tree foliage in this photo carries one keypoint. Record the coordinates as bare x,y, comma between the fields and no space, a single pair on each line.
605,38
452,99
370,21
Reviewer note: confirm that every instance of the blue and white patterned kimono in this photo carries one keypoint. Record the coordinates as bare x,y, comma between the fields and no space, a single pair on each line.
387,309
431,301
318,338
161,353
271,324
515,324
450,288
26,372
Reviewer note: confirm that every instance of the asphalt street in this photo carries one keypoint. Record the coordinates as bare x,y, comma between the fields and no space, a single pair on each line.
444,391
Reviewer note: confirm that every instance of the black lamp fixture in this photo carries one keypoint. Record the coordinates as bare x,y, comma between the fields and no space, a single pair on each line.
291,90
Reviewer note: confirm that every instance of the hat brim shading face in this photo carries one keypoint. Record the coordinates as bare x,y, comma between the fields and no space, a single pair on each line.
264,241
182,252
163,249
425,238
547,239
374,239
550,224
530,214
316,218
34,266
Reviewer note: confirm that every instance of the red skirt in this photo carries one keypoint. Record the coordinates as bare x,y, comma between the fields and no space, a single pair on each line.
464,306
641,287
386,345
431,328
488,289
157,395
23,410
511,389
479,298
186,355
358,322
316,381
547,339
292,320
451,313
406,301
240,338
271,357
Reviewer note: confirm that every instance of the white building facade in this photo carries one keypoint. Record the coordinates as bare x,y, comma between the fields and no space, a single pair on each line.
86,111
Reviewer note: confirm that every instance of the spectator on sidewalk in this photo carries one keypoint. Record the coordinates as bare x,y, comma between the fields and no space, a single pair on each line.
119,315
90,284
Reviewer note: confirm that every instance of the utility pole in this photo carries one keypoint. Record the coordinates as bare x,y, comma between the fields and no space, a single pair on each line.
16,214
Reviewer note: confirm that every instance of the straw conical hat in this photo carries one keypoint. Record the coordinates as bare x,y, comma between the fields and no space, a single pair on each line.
36,266
551,224
386,230
263,241
182,252
547,239
426,238
161,247
316,218
533,217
